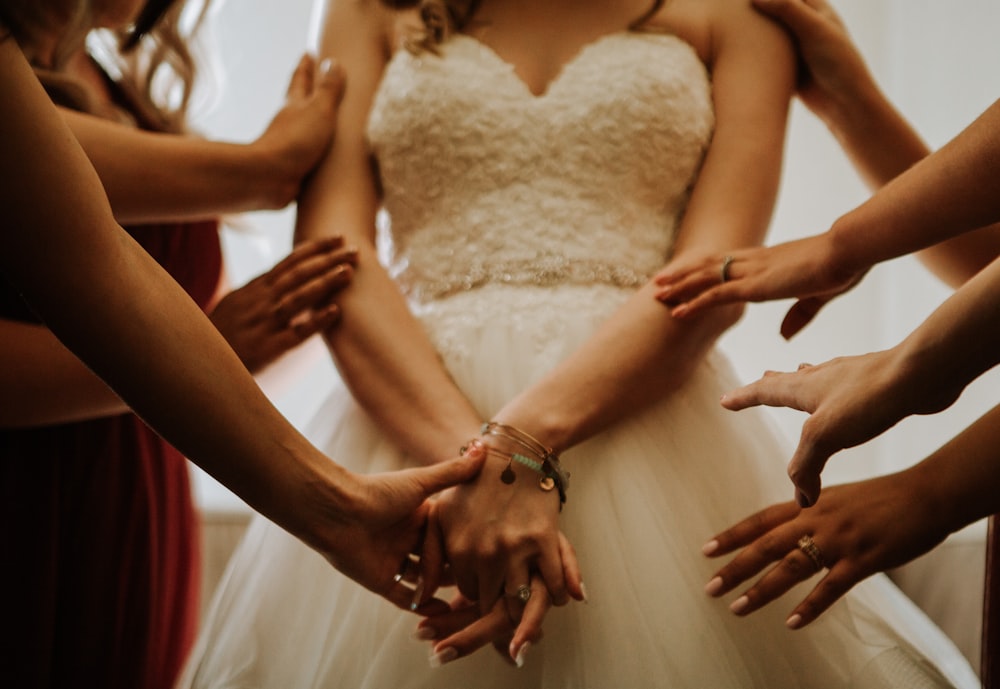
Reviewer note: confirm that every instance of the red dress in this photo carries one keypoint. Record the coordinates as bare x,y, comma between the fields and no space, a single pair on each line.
99,533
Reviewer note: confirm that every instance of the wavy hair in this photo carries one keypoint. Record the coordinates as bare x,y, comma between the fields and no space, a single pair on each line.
152,60
441,18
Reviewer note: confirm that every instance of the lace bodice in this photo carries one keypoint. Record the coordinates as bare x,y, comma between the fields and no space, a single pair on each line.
485,182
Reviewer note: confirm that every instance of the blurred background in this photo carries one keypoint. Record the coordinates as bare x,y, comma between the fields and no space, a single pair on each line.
937,61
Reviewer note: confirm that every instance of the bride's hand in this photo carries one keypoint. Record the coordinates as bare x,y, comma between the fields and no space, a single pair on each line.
511,626
496,534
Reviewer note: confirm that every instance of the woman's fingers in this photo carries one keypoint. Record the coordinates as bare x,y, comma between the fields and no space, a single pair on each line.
529,628
751,529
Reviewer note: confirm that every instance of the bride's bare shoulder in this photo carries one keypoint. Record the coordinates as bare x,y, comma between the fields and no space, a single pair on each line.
708,24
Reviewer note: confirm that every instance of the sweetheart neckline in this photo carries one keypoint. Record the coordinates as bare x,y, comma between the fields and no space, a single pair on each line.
569,64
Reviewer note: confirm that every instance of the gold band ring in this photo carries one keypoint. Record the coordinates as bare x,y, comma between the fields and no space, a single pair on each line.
726,262
812,551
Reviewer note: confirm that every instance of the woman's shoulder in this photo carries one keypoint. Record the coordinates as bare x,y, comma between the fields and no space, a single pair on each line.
708,25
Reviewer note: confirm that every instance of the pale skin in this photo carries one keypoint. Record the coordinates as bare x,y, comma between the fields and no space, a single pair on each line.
953,231
395,373
152,177
122,314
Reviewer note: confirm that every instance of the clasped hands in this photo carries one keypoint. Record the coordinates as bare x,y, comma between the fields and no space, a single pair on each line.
499,542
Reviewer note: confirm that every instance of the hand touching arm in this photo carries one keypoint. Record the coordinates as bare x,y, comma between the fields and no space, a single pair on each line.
128,320
380,349
153,177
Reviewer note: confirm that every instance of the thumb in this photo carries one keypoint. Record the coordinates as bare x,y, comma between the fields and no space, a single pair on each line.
301,83
799,16
801,314
331,79
434,479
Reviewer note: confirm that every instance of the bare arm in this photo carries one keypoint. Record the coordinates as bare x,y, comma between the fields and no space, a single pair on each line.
626,364
154,177
136,328
42,383
851,400
837,86
381,350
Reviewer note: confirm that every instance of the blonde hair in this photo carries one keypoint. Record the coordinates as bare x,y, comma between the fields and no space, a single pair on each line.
156,69
441,18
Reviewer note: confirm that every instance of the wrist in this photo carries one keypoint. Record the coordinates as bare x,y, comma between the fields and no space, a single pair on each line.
272,176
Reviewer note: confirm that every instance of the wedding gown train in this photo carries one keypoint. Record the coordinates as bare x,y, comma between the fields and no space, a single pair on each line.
518,223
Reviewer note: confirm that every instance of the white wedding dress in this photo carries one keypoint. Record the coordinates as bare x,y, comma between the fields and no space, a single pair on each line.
518,223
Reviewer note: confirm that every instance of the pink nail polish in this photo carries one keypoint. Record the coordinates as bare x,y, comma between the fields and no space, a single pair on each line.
794,622
739,605
443,657
519,658
710,547
713,587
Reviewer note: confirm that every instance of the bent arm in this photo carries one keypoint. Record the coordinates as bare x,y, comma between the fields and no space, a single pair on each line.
381,350
640,355
127,318
48,384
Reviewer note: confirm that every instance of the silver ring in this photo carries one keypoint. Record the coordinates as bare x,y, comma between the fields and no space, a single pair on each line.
401,572
726,262
523,593
809,547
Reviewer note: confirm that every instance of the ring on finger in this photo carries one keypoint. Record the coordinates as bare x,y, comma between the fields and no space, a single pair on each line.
726,262
523,593
402,574
812,551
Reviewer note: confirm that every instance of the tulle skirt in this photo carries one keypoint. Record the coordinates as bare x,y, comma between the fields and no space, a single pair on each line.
645,497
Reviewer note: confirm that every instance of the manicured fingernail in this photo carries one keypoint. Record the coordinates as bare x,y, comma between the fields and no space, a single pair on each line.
583,590
710,547
418,594
739,605
713,587
443,657
519,658
423,634
794,622
325,67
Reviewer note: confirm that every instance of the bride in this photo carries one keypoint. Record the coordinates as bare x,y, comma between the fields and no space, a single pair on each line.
537,162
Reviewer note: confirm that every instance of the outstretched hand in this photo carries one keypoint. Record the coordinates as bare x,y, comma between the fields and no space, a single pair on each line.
806,269
859,529
850,400
281,308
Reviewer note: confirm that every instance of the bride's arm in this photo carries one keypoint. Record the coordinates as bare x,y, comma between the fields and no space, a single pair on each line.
639,355
642,354
380,349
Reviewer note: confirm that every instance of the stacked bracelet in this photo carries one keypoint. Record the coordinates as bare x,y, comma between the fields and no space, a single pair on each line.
546,462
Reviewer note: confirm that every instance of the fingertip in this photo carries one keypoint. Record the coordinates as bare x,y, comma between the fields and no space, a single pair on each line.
711,547
794,621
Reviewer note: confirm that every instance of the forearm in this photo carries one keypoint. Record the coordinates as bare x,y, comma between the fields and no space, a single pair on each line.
394,372
958,342
43,383
180,177
879,141
962,478
638,357
938,198
133,325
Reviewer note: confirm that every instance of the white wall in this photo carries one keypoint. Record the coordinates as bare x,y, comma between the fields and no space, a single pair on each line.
937,61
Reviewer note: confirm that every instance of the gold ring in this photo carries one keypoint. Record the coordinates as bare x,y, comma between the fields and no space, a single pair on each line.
809,547
726,262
